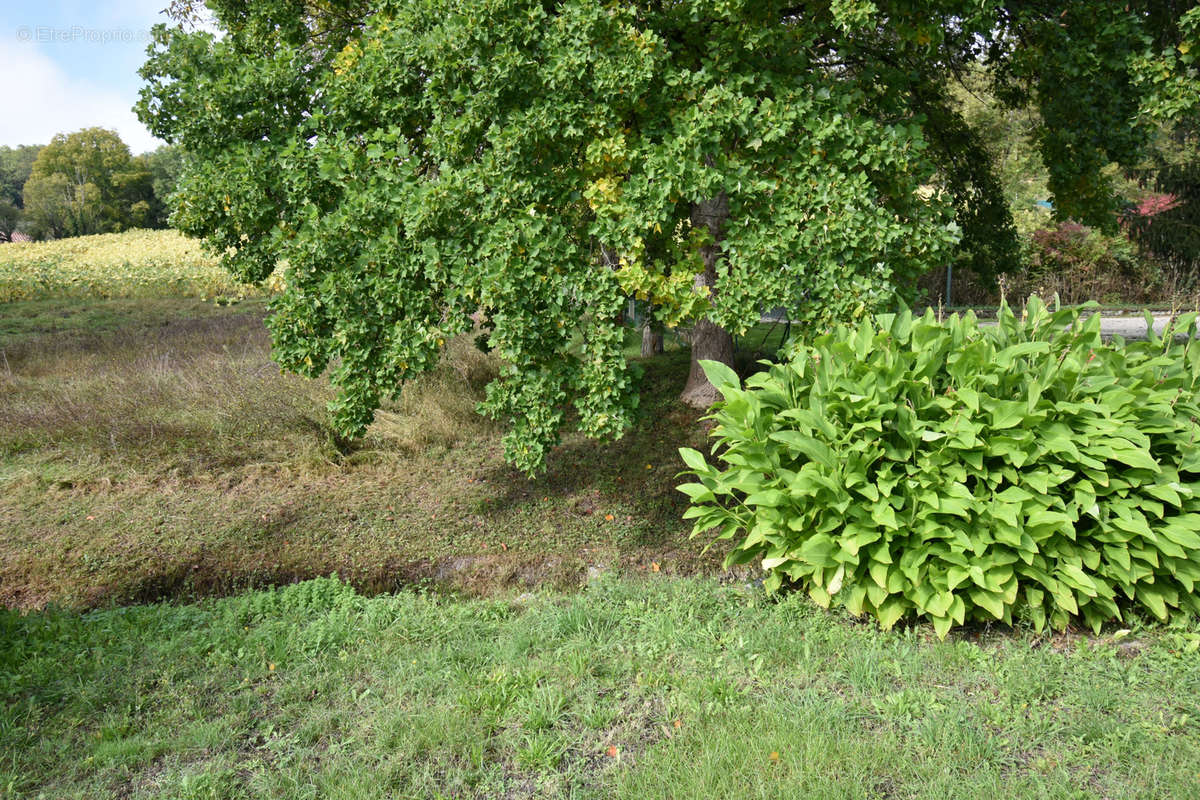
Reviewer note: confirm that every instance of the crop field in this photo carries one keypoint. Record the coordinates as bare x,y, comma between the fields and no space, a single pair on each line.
133,264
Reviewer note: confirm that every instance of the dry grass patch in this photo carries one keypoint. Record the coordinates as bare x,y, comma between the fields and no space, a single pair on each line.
164,456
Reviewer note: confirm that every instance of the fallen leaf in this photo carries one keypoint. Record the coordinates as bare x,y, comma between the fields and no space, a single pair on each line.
774,755
612,751
678,723
608,517
654,566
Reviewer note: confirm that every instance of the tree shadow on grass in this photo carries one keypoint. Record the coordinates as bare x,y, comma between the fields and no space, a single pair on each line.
640,465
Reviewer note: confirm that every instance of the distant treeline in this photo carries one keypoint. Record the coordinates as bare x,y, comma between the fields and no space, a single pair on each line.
83,183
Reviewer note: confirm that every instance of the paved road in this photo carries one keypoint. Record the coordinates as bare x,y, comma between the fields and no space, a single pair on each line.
1131,327
1127,327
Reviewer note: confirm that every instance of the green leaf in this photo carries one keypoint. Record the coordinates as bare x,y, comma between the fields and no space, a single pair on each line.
818,550
1153,599
1076,577
720,375
939,605
806,445
992,602
774,562
1184,535
890,613
694,459
879,573
883,514
1006,414
771,498
697,492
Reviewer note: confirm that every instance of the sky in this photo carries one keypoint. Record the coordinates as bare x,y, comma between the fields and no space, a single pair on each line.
72,64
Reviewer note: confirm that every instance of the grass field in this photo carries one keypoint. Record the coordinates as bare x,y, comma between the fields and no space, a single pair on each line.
151,449
658,688
488,636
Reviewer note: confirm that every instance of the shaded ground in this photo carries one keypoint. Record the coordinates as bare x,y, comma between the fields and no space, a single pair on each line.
151,449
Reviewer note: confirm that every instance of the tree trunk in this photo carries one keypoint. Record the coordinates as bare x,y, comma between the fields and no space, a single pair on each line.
710,342
652,340
652,333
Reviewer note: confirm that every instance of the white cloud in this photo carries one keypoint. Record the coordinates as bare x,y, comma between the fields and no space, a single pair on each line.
40,100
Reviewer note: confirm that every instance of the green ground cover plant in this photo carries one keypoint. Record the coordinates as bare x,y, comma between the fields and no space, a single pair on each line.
660,688
955,472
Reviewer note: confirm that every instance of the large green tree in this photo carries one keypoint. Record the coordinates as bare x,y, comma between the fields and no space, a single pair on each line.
10,218
538,161
16,163
87,182
55,208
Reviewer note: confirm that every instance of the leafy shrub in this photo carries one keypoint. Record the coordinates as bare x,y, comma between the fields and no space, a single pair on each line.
1080,264
1080,250
1077,263
956,472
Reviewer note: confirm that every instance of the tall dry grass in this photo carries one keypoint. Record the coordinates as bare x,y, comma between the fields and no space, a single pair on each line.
201,394
438,409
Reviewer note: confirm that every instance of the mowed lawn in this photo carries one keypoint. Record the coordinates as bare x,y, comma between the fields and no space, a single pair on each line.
652,688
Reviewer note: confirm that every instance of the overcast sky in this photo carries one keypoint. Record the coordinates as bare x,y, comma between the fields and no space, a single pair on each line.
72,64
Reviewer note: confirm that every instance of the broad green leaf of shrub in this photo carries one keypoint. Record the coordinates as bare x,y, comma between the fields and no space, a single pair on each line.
955,472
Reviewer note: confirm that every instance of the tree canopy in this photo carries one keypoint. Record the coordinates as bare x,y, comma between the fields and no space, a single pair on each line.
1168,225
16,163
530,164
87,182
164,165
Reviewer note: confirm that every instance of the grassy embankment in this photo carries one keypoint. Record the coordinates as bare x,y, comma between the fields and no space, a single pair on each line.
149,448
